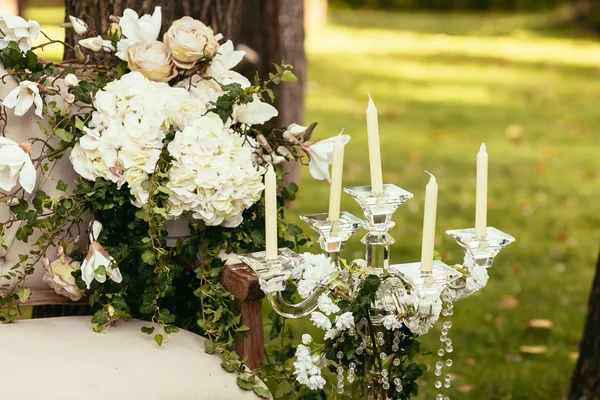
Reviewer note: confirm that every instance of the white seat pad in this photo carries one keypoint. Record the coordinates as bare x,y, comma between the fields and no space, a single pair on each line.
63,359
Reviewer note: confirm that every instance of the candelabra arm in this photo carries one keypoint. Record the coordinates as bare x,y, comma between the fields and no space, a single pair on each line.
306,306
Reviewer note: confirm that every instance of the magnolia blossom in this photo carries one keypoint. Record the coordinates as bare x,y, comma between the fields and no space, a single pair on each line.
212,174
96,44
189,40
15,29
306,339
98,263
391,322
321,156
255,113
320,320
153,60
294,132
137,30
58,276
222,63
23,97
15,164
79,26
313,270
326,305
71,80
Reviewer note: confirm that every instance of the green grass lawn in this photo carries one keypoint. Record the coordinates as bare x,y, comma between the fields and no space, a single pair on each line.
442,88
443,84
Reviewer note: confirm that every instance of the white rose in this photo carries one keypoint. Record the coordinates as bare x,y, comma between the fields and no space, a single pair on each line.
79,26
189,40
153,60
23,97
71,80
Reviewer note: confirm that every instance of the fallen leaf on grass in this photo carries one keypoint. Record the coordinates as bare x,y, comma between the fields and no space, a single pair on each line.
574,355
508,302
540,324
465,388
470,361
540,349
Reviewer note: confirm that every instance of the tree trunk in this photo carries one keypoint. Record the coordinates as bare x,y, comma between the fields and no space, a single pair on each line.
586,14
585,383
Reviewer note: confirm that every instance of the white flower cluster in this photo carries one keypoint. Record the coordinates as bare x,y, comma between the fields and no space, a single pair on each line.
16,29
308,368
124,139
313,270
212,174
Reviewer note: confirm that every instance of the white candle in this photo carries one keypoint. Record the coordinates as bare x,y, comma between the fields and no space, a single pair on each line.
337,171
481,192
374,151
271,213
427,247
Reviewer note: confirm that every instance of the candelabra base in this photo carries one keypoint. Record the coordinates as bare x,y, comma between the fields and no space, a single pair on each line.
272,273
483,249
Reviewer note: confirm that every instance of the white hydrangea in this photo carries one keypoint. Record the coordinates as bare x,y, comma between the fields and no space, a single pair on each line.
331,334
391,322
313,270
477,278
307,368
124,139
320,320
212,174
326,305
344,321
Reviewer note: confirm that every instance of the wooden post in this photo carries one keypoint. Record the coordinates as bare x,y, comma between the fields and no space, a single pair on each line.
241,281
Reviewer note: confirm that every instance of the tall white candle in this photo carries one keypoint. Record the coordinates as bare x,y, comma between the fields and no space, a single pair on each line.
481,192
337,171
271,212
427,247
374,150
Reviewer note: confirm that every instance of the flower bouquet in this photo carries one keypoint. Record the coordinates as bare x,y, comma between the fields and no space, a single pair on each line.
156,131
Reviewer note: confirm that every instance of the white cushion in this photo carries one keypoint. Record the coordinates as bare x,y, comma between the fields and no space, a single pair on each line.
63,359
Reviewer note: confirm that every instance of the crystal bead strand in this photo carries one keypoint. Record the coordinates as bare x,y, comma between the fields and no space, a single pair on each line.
445,340
340,371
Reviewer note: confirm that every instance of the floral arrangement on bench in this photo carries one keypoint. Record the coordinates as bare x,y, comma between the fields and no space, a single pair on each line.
158,132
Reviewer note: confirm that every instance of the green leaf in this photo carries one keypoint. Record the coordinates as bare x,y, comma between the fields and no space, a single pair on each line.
24,294
294,230
21,207
32,61
171,329
288,76
209,347
101,270
119,302
99,318
262,392
148,329
244,384
158,338
79,124
165,316
148,257
61,186
284,388
64,135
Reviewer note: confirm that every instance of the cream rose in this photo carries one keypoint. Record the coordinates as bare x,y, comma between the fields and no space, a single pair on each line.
189,40
152,60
